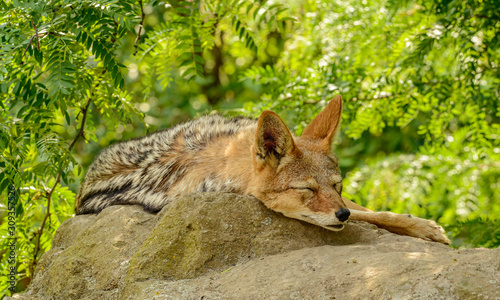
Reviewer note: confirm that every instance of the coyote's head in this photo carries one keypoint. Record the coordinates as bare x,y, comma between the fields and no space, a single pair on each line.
299,177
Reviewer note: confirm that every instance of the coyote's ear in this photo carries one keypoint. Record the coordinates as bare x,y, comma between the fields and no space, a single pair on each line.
273,140
326,124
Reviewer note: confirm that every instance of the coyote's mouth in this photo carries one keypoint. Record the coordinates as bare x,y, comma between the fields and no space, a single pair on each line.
336,227
333,227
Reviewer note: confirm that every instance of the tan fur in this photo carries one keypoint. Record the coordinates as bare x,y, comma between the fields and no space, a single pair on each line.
296,176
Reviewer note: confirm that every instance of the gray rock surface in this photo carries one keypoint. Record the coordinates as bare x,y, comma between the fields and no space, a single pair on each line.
228,246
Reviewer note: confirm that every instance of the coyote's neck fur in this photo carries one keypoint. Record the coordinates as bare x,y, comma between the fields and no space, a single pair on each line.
210,154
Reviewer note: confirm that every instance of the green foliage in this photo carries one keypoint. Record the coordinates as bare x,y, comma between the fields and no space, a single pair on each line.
190,30
58,63
473,232
63,81
421,70
420,81
456,188
394,63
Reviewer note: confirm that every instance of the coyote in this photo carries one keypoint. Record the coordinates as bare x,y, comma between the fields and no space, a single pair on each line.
295,176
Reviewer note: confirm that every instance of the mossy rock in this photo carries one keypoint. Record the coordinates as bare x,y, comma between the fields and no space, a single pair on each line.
211,231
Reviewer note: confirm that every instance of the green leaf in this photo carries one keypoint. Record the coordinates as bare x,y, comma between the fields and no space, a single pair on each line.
198,59
23,109
4,183
107,59
38,56
114,72
185,63
111,66
118,80
185,56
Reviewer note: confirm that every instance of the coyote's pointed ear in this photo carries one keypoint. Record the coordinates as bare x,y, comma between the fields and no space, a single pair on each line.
273,140
326,124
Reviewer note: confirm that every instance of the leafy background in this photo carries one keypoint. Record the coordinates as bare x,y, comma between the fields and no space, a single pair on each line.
420,82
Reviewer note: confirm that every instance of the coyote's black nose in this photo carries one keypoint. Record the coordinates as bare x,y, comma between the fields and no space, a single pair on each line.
343,214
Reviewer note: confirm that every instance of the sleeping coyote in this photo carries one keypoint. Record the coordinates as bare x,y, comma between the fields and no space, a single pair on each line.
296,176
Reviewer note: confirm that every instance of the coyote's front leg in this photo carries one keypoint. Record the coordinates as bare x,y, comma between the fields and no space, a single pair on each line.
397,223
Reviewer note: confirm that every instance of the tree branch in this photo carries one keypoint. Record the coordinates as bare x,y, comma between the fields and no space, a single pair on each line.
29,44
140,28
486,17
58,179
36,34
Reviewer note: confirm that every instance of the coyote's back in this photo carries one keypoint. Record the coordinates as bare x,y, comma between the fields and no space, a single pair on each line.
150,171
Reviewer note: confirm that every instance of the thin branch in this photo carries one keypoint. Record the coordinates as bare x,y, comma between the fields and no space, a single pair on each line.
486,17
36,34
140,28
29,44
113,39
80,133
82,127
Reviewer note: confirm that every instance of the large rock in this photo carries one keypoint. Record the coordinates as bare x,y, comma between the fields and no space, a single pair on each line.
228,246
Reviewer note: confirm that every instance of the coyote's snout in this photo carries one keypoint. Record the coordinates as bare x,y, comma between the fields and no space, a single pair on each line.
296,176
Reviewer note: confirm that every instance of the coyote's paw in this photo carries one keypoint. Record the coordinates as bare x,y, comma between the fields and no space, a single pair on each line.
403,225
428,230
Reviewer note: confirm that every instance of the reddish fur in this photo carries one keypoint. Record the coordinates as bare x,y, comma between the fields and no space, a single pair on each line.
298,177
